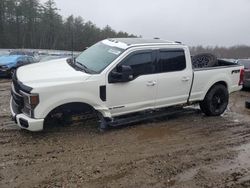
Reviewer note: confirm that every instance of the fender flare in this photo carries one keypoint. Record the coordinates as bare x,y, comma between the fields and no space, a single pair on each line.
219,82
46,111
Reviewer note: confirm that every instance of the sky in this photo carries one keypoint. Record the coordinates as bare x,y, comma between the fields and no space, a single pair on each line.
193,22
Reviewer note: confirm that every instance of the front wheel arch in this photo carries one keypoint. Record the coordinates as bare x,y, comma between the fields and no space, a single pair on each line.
67,110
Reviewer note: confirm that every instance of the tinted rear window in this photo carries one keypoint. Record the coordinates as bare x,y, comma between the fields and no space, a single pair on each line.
170,61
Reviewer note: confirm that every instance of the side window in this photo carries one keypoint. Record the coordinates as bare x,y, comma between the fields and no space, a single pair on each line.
170,61
140,63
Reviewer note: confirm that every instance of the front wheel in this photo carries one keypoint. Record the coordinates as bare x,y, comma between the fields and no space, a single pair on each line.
215,101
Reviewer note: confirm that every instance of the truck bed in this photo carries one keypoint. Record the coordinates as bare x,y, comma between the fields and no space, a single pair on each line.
221,64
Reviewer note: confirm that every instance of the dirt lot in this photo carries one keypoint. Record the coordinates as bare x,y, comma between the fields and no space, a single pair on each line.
185,150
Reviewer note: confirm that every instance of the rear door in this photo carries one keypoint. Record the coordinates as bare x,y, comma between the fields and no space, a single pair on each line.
174,77
139,93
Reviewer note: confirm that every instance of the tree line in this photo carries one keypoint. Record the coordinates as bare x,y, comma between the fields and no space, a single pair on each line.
31,24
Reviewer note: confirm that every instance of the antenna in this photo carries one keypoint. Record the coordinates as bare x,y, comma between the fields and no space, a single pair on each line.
72,41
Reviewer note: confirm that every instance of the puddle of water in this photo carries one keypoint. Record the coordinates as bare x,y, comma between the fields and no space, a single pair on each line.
237,117
187,175
236,108
244,156
242,161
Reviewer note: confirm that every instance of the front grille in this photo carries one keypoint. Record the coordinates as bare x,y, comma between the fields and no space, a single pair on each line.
17,98
15,107
15,83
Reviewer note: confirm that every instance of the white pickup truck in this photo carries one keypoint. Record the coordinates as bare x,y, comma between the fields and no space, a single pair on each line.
118,77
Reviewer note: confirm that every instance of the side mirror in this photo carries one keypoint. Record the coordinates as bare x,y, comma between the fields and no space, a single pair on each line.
71,60
122,73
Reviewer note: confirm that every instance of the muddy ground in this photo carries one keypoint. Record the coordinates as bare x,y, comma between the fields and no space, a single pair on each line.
184,150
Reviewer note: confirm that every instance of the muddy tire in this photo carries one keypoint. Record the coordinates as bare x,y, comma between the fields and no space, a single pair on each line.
69,114
215,101
204,60
57,120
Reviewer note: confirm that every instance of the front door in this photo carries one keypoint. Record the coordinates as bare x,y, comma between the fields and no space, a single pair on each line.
137,94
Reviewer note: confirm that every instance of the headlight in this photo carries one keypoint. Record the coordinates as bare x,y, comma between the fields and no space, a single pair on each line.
30,103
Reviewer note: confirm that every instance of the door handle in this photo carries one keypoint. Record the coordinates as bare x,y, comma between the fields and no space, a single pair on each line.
185,79
151,83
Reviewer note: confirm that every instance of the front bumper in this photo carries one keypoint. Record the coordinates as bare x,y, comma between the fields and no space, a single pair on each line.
23,121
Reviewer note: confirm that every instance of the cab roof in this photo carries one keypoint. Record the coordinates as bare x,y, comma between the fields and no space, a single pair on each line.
133,42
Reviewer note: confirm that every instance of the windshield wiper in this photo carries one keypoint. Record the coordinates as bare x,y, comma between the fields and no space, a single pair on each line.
84,67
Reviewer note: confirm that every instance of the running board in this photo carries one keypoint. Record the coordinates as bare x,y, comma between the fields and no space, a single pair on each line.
138,117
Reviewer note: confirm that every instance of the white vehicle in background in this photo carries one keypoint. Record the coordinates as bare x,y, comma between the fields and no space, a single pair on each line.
119,79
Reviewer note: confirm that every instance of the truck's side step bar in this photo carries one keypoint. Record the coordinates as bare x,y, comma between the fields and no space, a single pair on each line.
133,118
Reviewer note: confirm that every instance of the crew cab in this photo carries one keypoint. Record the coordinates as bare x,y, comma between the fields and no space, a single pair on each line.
121,76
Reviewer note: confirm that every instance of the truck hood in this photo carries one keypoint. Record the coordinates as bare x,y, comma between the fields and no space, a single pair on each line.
49,73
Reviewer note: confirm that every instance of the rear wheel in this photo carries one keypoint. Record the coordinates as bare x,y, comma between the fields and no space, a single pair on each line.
215,101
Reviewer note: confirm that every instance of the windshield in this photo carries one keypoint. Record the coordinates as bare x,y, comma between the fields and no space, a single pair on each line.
98,57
